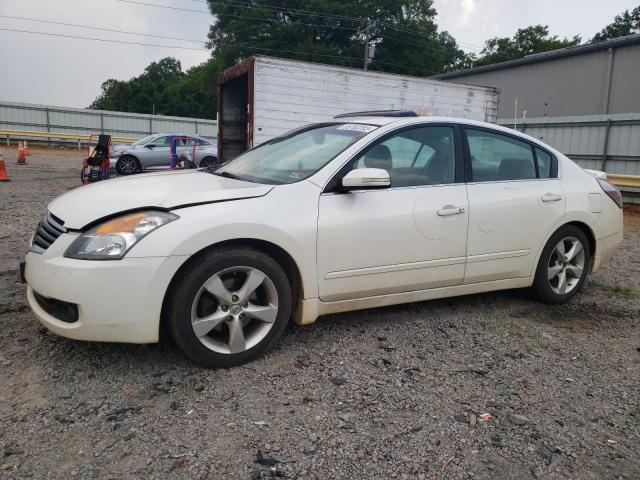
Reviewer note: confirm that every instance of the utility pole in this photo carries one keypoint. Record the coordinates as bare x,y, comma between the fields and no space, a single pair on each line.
368,51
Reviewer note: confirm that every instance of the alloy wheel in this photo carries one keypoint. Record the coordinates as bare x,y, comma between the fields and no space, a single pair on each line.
234,310
127,165
566,265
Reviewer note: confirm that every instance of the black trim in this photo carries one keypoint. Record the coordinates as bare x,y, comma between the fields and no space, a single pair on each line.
335,184
63,311
379,113
535,160
460,165
468,171
532,145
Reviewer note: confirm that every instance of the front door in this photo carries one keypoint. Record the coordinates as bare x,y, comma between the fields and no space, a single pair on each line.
408,237
156,153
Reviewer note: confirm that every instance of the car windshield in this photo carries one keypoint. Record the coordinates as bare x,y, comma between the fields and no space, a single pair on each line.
296,155
144,140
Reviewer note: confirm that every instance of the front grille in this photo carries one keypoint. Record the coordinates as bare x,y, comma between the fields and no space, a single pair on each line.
49,229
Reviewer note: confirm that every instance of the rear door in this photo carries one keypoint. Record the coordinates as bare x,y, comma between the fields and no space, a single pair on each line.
515,199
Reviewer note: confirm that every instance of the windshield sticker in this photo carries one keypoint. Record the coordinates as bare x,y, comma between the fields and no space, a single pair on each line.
357,127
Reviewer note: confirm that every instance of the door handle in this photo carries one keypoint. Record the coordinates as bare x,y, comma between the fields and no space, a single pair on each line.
551,197
450,210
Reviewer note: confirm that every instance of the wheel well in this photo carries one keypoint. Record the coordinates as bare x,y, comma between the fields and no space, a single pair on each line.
271,249
130,156
213,157
589,234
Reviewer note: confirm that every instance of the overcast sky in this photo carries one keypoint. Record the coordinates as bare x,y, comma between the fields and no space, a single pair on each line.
68,71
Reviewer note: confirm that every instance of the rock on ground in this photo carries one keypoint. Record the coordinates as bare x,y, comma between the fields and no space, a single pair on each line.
86,410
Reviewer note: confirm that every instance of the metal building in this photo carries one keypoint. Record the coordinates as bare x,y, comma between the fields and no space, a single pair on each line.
591,79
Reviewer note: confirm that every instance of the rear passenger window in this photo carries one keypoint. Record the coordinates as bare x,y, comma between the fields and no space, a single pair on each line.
496,157
545,164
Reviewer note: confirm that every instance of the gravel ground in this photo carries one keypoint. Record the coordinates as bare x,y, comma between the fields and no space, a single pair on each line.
387,393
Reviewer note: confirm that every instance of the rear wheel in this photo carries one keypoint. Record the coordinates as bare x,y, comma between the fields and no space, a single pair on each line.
229,307
563,266
127,165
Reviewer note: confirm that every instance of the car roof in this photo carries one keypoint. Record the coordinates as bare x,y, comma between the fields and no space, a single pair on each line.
381,121
180,134
425,120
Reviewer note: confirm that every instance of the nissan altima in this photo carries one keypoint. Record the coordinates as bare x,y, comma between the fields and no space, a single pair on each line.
358,212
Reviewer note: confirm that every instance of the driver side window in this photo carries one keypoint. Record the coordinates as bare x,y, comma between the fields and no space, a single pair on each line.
161,142
416,156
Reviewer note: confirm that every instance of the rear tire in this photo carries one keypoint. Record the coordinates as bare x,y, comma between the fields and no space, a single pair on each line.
230,305
563,266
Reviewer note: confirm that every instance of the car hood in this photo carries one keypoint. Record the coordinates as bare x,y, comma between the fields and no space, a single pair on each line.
119,148
165,190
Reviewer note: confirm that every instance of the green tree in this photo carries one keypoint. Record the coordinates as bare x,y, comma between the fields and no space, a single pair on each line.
164,88
627,23
328,31
526,41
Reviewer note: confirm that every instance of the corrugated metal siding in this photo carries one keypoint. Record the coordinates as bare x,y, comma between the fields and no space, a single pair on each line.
289,94
567,86
625,81
582,138
23,116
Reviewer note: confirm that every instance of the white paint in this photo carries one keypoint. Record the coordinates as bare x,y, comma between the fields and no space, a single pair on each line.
353,250
289,94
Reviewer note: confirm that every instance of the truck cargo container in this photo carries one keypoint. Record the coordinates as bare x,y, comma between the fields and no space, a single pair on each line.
263,97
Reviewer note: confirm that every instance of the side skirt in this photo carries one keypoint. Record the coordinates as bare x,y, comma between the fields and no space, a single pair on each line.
310,309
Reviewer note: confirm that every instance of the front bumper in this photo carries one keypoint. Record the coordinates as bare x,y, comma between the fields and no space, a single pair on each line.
117,300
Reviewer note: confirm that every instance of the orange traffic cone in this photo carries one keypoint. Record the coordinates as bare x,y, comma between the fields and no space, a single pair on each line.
25,149
22,160
3,170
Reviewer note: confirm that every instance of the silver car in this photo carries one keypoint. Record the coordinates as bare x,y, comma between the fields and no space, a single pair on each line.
153,151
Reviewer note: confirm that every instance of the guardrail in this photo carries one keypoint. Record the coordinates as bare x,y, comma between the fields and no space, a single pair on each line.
79,137
630,181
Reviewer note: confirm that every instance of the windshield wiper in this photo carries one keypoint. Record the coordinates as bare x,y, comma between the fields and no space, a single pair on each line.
230,175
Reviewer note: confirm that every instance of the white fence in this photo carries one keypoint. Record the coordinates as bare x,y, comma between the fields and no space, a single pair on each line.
45,118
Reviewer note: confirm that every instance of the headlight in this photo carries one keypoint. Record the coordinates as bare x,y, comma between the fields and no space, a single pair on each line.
113,239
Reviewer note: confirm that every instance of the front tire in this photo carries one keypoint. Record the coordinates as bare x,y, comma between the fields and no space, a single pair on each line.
208,162
563,266
229,306
127,165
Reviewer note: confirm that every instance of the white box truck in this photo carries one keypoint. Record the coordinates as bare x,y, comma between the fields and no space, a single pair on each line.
263,97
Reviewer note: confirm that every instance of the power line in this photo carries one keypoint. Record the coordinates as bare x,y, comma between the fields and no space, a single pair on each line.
125,42
105,40
238,3
135,2
101,29
248,47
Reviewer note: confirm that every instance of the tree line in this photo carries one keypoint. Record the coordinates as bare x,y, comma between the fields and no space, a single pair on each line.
404,32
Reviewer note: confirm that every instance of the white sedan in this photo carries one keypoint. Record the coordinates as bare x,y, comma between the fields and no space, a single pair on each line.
354,213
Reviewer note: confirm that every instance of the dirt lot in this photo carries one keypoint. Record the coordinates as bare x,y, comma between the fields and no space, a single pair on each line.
388,393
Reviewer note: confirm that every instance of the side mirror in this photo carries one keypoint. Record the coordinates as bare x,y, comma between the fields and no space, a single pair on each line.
150,146
366,178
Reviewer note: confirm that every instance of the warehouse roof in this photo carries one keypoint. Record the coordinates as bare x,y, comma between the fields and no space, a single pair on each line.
545,56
